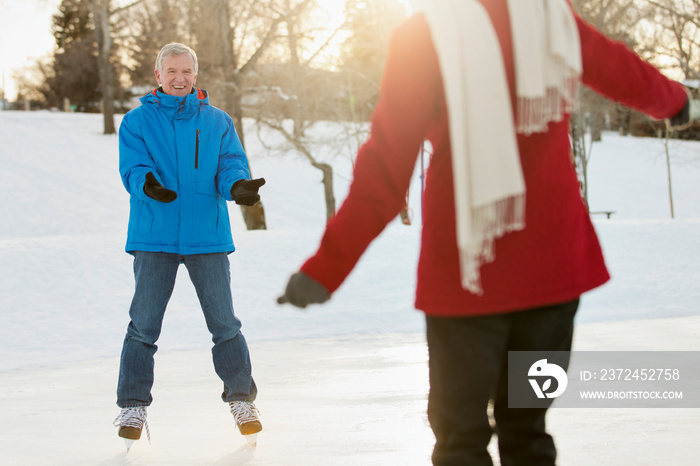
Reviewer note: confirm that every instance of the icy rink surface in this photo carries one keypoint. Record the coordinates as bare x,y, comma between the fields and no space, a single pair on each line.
342,401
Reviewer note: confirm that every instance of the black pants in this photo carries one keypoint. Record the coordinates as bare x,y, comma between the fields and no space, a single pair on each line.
468,368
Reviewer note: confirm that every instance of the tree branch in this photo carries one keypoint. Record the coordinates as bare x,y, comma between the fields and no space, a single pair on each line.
688,17
326,43
120,9
270,34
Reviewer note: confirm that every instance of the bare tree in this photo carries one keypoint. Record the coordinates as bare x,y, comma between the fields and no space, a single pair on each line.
663,32
103,34
364,52
147,28
32,84
292,115
667,153
678,30
304,95
231,39
103,14
617,19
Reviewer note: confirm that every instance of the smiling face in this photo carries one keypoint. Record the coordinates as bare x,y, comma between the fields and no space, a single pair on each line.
177,75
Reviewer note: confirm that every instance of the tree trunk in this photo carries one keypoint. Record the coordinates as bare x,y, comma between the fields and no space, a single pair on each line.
253,216
100,13
327,188
579,153
625,119
668,171
298,117
597,123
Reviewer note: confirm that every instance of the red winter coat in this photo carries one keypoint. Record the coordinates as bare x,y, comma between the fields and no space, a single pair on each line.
557,257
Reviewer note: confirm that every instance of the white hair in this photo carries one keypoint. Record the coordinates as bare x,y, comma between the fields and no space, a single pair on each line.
172,50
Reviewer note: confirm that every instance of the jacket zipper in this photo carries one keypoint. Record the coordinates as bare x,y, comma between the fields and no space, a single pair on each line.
196,152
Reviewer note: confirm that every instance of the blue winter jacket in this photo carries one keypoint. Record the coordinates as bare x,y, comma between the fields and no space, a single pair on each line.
192,148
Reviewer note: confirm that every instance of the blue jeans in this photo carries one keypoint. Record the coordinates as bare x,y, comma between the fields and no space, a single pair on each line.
155,274
468,367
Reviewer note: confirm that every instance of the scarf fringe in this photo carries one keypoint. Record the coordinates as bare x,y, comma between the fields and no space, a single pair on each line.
533,115
490,222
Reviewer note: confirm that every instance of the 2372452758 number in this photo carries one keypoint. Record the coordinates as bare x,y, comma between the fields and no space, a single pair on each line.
639,374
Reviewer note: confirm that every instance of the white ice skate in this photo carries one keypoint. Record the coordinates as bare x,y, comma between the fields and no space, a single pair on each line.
247,419
130,422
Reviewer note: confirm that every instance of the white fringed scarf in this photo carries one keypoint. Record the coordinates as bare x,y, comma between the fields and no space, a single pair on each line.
489,187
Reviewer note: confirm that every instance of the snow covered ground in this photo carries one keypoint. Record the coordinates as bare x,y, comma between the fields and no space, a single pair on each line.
341,384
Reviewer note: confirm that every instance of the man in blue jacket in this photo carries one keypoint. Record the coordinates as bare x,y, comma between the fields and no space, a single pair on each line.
180,159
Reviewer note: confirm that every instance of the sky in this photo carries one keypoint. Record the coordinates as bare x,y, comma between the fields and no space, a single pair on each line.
25,35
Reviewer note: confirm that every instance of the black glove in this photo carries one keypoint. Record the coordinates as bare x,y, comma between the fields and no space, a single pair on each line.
686,117
681,118
303,290
155,190
245,192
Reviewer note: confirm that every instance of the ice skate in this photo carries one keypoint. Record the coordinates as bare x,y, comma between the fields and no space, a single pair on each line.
131,421
247,419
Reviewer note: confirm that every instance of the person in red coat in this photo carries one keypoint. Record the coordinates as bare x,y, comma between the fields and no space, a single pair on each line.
507,246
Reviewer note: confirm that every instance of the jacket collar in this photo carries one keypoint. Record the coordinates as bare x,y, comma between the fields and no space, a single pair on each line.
174,106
